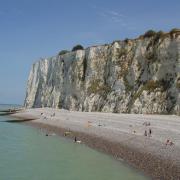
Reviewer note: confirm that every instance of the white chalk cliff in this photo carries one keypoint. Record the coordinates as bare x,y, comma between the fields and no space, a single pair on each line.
132,76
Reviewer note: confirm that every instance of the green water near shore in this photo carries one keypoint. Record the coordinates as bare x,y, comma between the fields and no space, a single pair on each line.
27,154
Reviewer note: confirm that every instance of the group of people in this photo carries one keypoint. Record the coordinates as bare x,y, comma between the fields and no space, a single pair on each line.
45,118
146,123
168,142
148,133
53,115
67,133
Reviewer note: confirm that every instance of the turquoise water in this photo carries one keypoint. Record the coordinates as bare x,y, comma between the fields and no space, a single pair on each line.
27,154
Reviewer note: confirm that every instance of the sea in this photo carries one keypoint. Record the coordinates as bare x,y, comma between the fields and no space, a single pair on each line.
27,154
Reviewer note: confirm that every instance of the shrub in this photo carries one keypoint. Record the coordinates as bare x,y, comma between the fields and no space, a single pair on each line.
121,52
165,84
178,85
151,85
148,86
151,56
77,47
126,40
160,34
127,85
96,88
63,52
149,33
174,30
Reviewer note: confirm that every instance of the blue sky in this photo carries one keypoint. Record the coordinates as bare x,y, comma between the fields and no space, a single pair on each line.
31,29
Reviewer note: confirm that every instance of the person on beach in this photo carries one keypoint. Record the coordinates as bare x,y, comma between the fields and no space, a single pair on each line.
53,115
168,142
146,123
171,143
145,133
77,141
150,132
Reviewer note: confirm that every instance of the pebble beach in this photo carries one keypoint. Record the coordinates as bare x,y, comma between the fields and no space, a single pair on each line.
126,137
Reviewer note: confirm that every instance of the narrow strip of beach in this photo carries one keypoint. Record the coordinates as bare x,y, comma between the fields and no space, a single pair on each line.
150,143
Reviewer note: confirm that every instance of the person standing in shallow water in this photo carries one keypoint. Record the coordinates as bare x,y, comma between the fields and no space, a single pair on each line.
75,139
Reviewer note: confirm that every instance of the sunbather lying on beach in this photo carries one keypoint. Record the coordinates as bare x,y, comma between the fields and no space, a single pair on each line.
67,133
168,142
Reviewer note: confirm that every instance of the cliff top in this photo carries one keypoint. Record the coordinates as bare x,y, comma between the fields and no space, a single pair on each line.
148,34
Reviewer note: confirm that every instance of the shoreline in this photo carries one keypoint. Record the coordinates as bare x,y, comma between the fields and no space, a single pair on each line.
148,162
156,168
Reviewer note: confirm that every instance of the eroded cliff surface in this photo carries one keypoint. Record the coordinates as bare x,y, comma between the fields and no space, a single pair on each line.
132,76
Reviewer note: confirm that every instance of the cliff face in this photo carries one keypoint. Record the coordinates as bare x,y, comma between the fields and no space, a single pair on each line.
131,76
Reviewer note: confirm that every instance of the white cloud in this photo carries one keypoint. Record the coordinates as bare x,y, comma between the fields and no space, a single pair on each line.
112,16
116,14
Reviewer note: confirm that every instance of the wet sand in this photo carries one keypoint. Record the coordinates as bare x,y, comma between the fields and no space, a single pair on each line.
120,135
